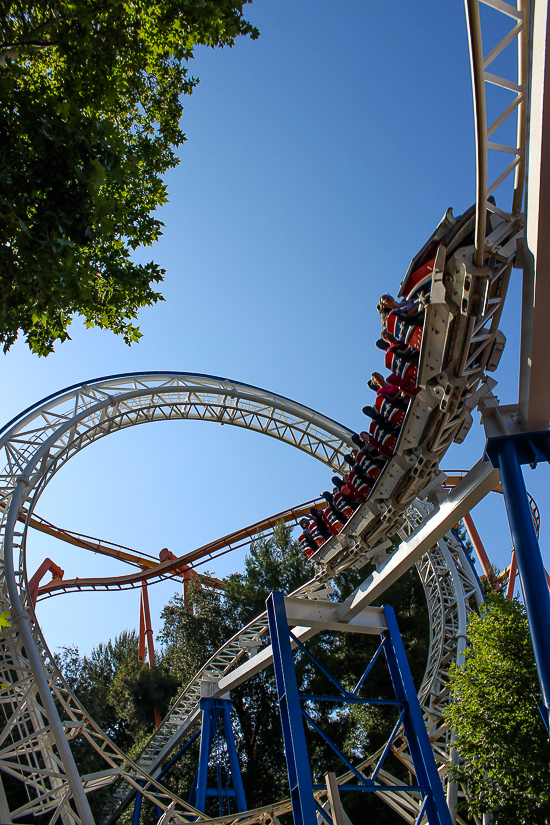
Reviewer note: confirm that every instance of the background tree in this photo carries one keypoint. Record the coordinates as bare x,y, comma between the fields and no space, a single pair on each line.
501,736
91,105
277,563
120,692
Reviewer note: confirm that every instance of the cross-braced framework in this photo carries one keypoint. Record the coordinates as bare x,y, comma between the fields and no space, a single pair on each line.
34,742
467,297
515,110
452,591
35,447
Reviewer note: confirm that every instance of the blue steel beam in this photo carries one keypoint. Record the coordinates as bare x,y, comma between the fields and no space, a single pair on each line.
299,775
508,453
234,766
413,722
212,711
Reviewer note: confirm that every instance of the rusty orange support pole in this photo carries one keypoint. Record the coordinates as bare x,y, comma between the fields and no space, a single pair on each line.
148,628
47,566
478,545
146,633
513,574
141,641
512,577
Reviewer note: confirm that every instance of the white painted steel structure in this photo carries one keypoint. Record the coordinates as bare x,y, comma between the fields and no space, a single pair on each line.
534,388
468,289
34,741
35,447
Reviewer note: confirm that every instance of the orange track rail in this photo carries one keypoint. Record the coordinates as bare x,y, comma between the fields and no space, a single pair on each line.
152,570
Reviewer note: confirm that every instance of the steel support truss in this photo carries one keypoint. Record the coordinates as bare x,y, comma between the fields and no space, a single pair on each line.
282,613
216,714
517,36
34,742
215,732
452,591
35,446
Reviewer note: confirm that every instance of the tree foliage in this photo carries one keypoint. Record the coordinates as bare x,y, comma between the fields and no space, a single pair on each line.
91,105
277,563
501,736
120,692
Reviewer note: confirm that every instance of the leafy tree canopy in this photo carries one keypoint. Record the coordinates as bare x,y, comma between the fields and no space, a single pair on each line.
189,636
501,736
121,693
91,105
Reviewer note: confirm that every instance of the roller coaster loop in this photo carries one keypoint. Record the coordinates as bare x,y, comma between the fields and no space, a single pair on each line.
458,281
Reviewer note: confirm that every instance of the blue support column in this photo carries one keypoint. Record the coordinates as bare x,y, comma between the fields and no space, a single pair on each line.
413,722
508,453
214,709
299,774
236,776
292,715
198,794
137,808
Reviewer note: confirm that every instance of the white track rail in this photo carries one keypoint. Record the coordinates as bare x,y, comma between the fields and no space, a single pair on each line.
35,447
467,295
480,61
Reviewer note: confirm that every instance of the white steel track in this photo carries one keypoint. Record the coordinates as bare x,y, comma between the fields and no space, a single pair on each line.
34,448
468,290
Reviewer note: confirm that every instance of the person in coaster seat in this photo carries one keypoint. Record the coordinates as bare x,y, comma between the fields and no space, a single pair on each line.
347,493
318,537
334,524
366,468
390,411
407,309
385,411
360,471
369,453
405,370
382,434
399,330
341,504
393,388
371,469
379,421
359,488
337,516
319,523
397,350
306,540
384,443
386,388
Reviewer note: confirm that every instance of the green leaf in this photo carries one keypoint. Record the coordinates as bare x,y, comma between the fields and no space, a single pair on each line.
94,124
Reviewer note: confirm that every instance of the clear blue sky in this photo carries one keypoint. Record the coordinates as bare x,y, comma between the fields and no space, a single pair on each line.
318,161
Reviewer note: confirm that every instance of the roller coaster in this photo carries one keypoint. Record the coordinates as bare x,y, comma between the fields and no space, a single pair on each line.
406,518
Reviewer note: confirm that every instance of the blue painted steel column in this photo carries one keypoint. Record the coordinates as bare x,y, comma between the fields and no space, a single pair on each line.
212,710
503,454
297,759
198,797
236,776
415,729
137,808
